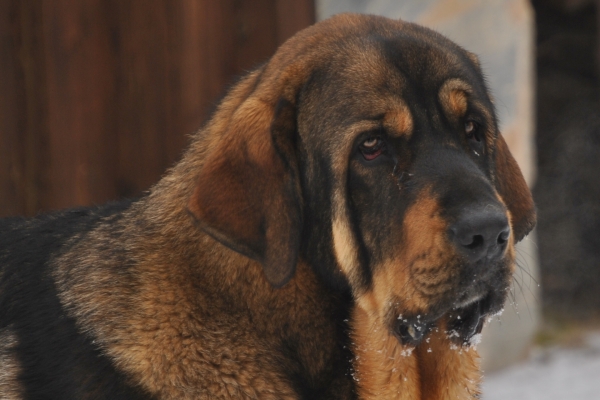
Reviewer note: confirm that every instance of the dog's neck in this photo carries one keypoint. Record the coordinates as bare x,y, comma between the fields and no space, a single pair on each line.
300,324
385,369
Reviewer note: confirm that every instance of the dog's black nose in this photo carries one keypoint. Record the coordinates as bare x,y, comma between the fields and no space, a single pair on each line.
481,233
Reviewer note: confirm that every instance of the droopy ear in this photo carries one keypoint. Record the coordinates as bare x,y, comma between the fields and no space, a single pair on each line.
248,192
513,189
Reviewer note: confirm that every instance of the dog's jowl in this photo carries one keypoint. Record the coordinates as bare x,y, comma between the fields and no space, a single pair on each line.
340,228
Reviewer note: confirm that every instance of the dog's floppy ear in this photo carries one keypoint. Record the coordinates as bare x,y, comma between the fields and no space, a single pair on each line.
513,189
247,195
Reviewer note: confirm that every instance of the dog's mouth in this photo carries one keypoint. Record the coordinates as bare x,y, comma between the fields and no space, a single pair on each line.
462,323
462,312
411,330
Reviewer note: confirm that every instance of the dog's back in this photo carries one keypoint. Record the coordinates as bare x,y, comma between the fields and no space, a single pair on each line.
41,347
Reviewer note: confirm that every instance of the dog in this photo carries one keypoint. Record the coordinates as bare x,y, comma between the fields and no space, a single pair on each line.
340,228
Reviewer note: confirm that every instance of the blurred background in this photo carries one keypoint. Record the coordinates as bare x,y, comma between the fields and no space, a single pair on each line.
98,98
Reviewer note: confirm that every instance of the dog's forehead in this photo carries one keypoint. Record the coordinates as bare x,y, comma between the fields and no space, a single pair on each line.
390,54
377,62
372,73
380,73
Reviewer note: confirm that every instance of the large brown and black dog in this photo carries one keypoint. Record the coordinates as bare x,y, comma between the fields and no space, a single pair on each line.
348,202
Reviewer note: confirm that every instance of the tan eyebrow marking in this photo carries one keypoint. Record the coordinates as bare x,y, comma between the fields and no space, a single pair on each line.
453,96
399,121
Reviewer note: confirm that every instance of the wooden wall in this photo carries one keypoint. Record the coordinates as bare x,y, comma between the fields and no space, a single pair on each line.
97,97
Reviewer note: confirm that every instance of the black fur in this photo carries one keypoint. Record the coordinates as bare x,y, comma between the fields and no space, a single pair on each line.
50,344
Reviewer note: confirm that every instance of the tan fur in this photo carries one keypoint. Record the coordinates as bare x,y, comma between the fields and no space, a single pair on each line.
436,369
417,273
10,388
447,371
453,96
427,250
458,102
171,311
384,369
399,121
345,248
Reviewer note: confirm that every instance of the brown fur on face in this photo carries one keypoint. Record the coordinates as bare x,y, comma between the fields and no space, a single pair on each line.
453,96
415,275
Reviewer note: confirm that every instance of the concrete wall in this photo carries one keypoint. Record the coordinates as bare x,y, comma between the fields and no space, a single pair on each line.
501,33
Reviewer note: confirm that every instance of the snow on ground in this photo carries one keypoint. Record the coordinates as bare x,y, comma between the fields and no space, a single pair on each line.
550,374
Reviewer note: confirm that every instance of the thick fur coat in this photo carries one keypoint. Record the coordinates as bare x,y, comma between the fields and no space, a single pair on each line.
339,229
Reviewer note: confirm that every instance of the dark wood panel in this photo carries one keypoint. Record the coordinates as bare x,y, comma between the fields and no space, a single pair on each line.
99,97
12,113
256,32
81,91
23,131
35,134
292,16
143,92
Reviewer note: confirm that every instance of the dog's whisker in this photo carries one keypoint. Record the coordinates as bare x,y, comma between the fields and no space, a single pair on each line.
516,281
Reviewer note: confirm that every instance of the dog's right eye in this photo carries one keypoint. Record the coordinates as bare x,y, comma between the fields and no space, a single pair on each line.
372,147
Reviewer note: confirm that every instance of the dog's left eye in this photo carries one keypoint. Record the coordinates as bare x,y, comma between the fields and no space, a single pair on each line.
472,131
474,135
372,147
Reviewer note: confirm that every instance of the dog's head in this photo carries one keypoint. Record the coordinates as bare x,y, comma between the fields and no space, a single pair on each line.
370,149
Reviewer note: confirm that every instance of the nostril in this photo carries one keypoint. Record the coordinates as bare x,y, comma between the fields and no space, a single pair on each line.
503,237
477,241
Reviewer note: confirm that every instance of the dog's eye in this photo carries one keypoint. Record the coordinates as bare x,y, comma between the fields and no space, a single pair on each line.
475,137
372,148
472,131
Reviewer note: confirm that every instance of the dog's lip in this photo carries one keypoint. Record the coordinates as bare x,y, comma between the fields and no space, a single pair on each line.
468,301
464,323
465,320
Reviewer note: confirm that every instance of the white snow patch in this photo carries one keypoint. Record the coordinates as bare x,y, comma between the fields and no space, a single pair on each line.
407,351
452,334
550,374
475,340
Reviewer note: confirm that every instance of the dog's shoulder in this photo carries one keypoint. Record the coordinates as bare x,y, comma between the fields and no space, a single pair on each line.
27,244
40,345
